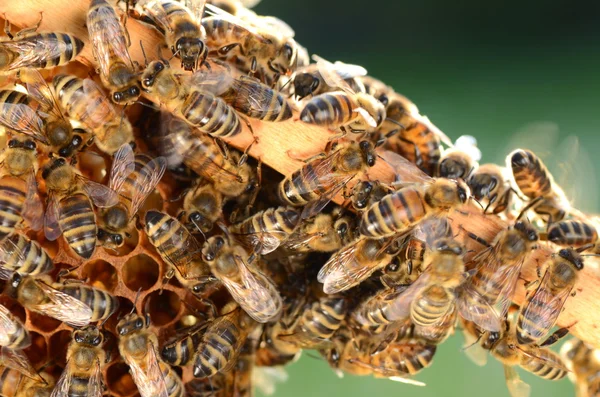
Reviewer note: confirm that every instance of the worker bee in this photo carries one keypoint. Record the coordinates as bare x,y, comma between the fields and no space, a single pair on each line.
70,210
251,289
571,233
20,254
37,50
376,88
181,27
321,179
102,303
273,350
542,306
399,212
200,108
84,101
322,233
109,45
85,359
19,199
133,177
181,349
266,230
583,362
308,81
344,109
365,193
459,161
487,294
14,383
38,296
202,207
138,347
221,343
13,334
491,187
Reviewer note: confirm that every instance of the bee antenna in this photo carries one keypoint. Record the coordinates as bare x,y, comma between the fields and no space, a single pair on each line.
137,296
144,53
395,122
200,230
584,248
477,201
472,344
148,105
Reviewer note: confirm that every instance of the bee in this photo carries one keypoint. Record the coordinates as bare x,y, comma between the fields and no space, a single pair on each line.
583,363
19,198
486,296
491,187
70,210
344,109
308,80
202,207
571,233
535,182
176,245
37,50
376,88
221,343
13,334
85,359
15,383
20,254
181,27
102,303
84,101
38,296
252,290
321,179
365,193
138,347
200,108
399,212
459,161
266,230
542,307
322,233
181,349
243,371
133,177
109,45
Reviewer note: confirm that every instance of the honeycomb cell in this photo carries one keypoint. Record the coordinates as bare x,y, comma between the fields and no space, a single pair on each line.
101,274
92,166
130,242
58,346
12,305
43,323
154,201
140,272
119,380
163,307
37,352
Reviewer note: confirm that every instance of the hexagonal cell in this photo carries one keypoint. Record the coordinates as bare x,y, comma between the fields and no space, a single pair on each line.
130,242
154,201
38,351
58,346
163,307
101,274
12,305
92,165
43,323
140,272
119,380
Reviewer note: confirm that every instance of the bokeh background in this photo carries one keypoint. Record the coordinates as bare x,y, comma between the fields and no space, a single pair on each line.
486,69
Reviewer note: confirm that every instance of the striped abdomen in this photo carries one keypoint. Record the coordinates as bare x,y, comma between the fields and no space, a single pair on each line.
11,381
169,237
538,314
219,349
430,306
13,192
210,114
78,386
544,363
320,322
126,192
39,51
220,32
330,110
25,256
304,185
13,117
530,174
89,107
394,213
77,221
258,101
173,383
439,332
403,357
572,233
102,303
278,223
180,352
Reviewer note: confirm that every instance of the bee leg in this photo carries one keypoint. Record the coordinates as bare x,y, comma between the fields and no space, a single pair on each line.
7,27
222,148
556,336
530,285
475,237
32,29
308,160
244,156
227,48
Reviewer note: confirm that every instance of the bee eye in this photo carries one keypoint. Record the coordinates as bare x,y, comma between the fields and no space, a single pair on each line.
122,330
219,242
139,323
288,52
147,82
462,195
159,66
335,356
342,229
61,161
118,96
209,256
64,152
30,145
78,338
195,216
76,141
96,341
384,99
118,239
13,143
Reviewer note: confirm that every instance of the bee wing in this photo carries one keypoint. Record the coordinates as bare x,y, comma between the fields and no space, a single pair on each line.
222,14
22,118
516,386
155,11
366,116
263,242
399,307
386,372
8,250
52,229
109,42
196,7
33,210
347,71
405,171
313,208
7,325
17,360
146,181
148,376
123,165
216,81
95,382
34,50
102,196
38,88
182,242
61,389
298,240
330,76
98,110
255,294
64,307
259,97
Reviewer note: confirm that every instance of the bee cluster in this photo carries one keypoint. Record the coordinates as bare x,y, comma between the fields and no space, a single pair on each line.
141,254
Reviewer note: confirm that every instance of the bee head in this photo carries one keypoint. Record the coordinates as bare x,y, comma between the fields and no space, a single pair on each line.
520,159
305,84
368,151
482,185
572,256
89,335
129,324
190,50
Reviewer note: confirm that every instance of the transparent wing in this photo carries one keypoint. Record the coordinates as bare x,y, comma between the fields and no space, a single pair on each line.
540,137
156,11
63,307
9,249
123,165
473,307
222,14
8,326
196,7
33,210
22,118
18,361
263,242
147,375
38,88
101,195
300,240
330,76
52,229
147,179
182,242
98,110
217,81
405,171
347,71
366,116
473,349
399,307
316,206
61,389
34,50
95,382
259,97
516,387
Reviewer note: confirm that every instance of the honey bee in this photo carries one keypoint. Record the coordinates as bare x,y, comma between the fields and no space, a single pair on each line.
24,256
138,347
109,46
321,179
322,233
84,101
486,296
583,363
70,210
102,303
221,343
308,81
38,296
571,233
542,306
14,383
365,193
243,371
19,199
181,349
399,212
85,359
266,230
274,350
202,109
13,334
202,207
459,161
133,177
37,50
176,245
251,289
181,27
376,88
344,109
491,187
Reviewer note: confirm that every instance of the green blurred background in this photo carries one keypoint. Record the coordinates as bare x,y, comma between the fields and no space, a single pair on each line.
481,68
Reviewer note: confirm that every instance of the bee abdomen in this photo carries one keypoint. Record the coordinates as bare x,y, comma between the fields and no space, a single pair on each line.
546,364
78,386
572,233
211,114
216,352
426,311
393,213
78,223
12,197
102,303
25,256
173,383
328,110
